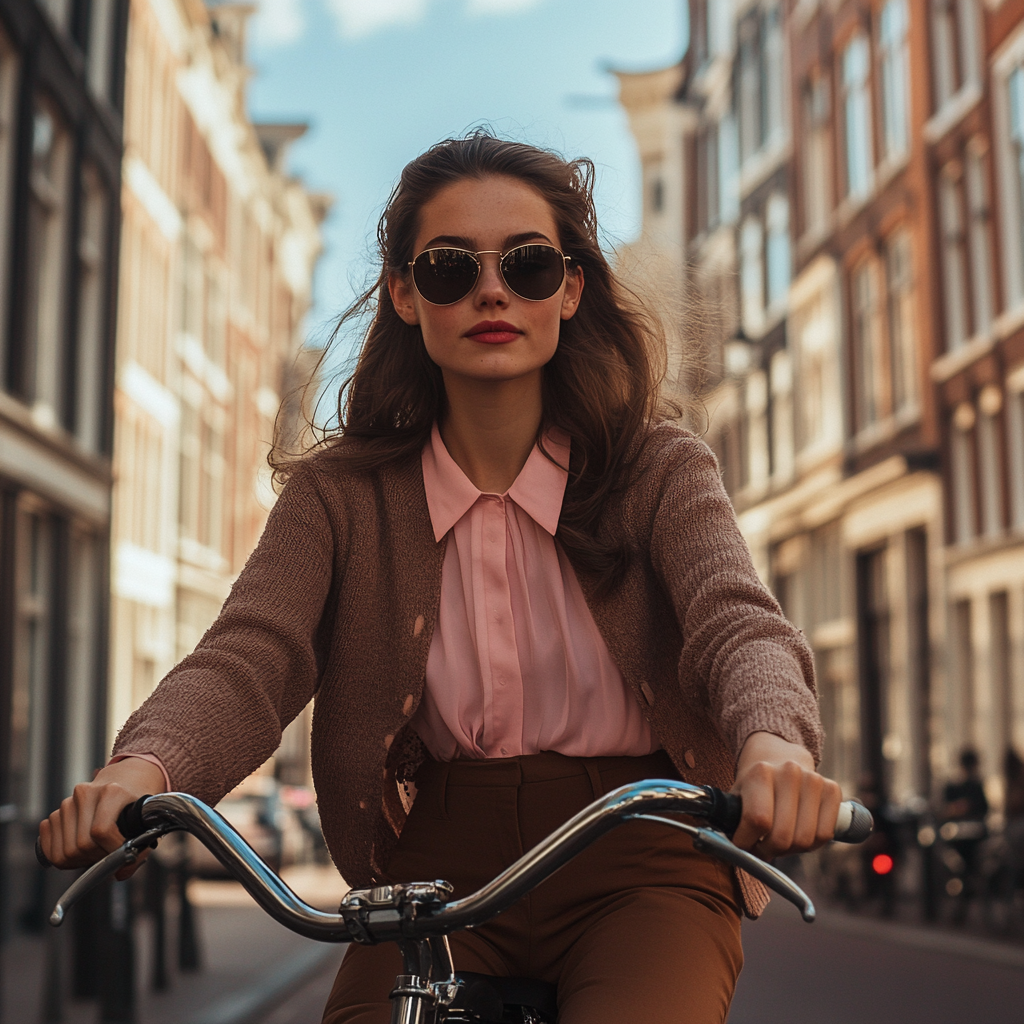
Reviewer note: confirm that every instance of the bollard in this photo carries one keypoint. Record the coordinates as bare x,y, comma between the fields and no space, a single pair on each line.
116,983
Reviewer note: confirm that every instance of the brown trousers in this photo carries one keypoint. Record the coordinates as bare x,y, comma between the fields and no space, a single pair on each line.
639,927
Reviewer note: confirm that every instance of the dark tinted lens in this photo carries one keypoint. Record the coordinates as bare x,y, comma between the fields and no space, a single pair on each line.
444,276
533,271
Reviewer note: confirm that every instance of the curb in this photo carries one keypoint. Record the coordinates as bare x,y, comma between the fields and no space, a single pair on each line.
935,940
248,1006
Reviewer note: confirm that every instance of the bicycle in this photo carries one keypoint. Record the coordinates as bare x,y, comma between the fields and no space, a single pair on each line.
419,917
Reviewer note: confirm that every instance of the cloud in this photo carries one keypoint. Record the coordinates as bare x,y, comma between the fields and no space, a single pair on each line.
499,6
279,22
358,18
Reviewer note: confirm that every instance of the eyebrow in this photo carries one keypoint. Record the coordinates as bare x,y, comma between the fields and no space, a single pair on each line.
510,242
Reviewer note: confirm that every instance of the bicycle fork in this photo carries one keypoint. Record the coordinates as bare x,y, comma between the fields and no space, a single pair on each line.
427,981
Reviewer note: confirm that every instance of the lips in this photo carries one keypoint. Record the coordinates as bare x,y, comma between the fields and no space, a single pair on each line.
493,332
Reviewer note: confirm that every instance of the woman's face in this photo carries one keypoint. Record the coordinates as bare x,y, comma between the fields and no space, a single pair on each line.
492,334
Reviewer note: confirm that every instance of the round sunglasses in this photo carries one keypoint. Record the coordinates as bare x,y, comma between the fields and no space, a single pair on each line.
446,274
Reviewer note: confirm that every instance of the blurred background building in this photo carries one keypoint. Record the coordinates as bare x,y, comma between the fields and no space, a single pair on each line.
846,180
151,319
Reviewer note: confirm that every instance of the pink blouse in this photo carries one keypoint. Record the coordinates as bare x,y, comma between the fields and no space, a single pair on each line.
516,662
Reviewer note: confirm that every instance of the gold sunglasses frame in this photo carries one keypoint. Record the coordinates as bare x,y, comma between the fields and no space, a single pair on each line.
479,268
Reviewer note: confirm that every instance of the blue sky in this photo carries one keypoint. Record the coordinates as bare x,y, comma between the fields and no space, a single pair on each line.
381,80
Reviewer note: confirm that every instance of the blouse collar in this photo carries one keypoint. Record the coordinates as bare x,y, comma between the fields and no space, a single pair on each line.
538,490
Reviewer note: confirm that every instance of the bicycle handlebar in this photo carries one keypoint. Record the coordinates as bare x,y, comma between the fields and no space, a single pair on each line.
420,910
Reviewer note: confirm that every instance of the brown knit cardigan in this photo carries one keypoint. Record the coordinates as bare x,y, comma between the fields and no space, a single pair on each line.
339,601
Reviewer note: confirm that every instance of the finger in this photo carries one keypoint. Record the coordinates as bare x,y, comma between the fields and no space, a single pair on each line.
786,780
68,837
105,832
45,835
828,812
758,793
806,830
84,798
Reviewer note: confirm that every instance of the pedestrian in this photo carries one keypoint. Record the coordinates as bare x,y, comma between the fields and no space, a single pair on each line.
965,808
512,585
1013,812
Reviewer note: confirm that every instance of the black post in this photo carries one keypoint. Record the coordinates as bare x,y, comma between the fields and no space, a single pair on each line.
117,963
189,958
156,903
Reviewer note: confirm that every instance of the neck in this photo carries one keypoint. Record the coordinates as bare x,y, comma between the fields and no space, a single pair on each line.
490,428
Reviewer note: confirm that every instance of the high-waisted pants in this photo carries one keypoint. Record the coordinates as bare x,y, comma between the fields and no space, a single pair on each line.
637,928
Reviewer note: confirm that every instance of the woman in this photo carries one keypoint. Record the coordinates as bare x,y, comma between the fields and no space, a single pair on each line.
511,590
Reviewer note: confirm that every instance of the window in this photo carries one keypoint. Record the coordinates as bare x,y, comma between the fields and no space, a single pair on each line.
1015,424
895,63
954,260
778,255
962,473
955,41
817,182
867,344
963,668
783,441
857,118
32,646
103,22
750,91
752,274
84,583
1015,89
43,371
773,65
990,403
707,179
902,341
728,170
91,350
979,240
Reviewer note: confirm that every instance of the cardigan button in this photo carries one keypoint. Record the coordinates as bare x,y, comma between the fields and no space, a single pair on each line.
689,758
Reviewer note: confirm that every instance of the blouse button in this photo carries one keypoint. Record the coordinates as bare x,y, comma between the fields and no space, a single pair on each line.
689,758
504,751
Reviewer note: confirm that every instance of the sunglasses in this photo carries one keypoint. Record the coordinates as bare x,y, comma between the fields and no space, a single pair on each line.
445,275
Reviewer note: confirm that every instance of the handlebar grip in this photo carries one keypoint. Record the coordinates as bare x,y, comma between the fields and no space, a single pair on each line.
129,824
853,825
129,821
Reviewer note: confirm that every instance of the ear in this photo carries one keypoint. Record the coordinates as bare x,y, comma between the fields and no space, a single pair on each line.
401,291
573,291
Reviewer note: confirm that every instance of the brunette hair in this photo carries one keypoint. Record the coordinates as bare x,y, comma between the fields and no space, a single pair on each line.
602,387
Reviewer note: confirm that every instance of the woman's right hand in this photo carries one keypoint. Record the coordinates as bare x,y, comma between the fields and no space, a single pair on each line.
83,829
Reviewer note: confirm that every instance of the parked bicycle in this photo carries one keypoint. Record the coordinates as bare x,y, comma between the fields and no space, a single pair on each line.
419,916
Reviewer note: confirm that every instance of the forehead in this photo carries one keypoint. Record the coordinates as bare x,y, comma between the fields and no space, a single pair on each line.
486,211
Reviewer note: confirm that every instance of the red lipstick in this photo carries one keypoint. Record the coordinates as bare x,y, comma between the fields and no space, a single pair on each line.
493,332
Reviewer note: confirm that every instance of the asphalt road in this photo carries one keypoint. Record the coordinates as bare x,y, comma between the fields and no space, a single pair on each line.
836,971
851,971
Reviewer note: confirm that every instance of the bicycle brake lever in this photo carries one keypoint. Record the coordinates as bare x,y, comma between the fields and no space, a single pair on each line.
127,853
716,844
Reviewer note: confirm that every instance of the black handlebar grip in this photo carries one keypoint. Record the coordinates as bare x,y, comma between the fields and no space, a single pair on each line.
854,824
129,821
44,861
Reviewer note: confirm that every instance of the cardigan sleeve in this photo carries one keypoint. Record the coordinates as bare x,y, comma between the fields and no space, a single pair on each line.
219,714
755,667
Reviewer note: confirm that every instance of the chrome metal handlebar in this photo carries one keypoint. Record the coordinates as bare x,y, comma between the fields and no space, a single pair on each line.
416,911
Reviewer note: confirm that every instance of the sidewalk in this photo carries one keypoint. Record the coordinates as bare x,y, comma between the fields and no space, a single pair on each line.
250,963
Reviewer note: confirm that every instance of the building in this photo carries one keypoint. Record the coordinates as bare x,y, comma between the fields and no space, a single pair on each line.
851,203
61,85
219,246
975,133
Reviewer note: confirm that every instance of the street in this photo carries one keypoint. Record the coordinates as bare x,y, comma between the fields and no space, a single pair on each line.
839,970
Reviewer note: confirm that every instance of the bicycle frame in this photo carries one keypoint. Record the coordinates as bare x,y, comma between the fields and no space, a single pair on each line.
418,915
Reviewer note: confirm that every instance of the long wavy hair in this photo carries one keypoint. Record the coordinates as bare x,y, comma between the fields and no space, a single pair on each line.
602,387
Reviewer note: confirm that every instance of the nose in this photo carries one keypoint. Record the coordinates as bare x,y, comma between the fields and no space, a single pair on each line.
490,289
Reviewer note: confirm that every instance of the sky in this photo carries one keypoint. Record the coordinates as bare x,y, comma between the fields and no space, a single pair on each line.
379,81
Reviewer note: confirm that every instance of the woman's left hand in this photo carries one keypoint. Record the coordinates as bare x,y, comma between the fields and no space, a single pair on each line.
787,806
